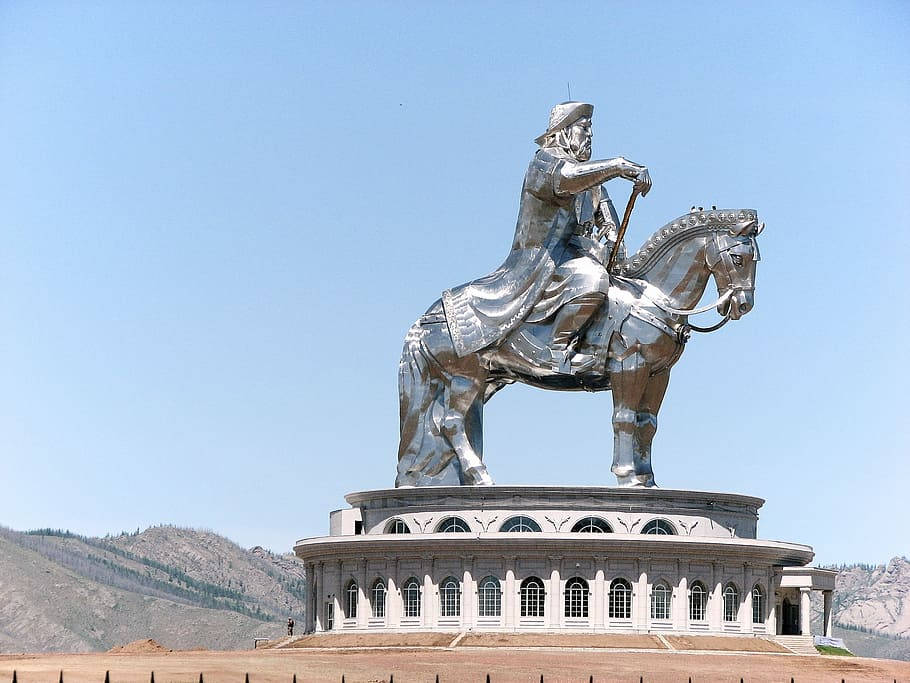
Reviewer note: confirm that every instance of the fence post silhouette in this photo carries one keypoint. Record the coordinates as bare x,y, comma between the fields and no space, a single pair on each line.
14,676
294,680
247,679
107,677
200,677
61,676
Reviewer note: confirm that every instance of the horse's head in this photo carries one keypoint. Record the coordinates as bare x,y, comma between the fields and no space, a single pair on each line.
732,257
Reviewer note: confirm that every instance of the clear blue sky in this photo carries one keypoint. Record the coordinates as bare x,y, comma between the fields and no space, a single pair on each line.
218,220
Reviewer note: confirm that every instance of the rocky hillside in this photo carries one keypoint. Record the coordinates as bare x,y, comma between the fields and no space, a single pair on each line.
875,598
872,609
184,588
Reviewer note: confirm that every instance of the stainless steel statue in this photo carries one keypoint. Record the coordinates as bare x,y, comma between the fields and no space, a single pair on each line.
568,310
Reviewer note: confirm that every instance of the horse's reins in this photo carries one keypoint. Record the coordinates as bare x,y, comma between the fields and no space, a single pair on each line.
723,298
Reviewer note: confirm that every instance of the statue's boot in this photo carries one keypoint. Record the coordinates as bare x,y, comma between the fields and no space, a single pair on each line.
571,322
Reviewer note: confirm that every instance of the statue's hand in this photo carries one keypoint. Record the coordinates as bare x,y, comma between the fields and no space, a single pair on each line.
643,181
638,174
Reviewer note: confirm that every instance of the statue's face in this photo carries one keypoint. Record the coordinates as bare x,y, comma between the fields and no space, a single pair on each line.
579,139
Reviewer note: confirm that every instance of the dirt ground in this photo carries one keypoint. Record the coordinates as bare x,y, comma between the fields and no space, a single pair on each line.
463,664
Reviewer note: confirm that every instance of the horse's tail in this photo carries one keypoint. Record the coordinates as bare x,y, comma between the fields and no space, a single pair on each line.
422,449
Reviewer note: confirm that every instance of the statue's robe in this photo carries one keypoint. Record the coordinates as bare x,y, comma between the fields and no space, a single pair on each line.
552,261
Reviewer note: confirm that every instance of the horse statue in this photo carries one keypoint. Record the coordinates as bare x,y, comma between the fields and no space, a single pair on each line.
628,348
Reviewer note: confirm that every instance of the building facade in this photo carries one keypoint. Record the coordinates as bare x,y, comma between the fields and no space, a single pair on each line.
587,559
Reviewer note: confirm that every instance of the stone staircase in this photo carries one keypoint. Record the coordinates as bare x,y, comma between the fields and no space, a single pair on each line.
801,645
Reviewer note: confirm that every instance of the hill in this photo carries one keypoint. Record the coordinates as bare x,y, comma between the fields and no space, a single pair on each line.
184,588
872,609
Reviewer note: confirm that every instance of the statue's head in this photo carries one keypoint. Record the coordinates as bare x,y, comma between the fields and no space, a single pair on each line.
569,129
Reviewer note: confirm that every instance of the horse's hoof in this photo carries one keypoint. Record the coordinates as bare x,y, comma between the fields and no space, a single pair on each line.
479,477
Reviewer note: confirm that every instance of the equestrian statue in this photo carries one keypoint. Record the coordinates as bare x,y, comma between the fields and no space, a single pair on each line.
569,310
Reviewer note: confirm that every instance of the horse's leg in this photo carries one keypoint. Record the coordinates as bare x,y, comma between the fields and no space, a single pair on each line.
629,378
646,421
463,418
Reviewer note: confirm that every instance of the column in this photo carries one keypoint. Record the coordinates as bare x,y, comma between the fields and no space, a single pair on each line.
393,597
509,597
429,595
320,597
805,612
599,594
827,615
771,620
680,604
642,606
716,600
555,616
468,594
336,590
746,612
363,605
310,616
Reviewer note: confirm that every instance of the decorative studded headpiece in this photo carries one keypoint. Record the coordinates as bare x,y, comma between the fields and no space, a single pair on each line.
564,115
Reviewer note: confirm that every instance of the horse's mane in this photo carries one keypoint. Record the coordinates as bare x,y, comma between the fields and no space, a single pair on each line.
680,229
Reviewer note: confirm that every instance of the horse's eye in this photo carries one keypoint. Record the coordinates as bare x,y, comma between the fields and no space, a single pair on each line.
737,259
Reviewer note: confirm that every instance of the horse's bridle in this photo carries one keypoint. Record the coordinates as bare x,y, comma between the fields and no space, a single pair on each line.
724,298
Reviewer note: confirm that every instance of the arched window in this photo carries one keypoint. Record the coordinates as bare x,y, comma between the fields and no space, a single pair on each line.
659,526
351,598
594,525
520,523
577,598
660,601
450,597
698,601
411,597
453,525
532,597
620,599
489,597
398,526
378,598
758,604
731,602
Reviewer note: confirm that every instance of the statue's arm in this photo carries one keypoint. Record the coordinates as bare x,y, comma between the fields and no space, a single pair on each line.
575,176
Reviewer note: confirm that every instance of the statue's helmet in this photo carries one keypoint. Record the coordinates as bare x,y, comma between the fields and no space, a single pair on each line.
564,115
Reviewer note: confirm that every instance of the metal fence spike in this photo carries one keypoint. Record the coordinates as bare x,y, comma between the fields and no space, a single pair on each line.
152,678
107,677
61,676
14,677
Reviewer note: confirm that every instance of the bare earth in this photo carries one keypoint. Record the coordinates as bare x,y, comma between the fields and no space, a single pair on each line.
462,664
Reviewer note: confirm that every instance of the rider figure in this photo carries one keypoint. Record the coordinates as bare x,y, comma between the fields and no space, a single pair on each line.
557,264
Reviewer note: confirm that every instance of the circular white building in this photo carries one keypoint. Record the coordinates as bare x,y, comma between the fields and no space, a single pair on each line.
582,559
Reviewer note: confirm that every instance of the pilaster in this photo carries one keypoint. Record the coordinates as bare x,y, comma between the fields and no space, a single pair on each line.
600,598
510,596
554,618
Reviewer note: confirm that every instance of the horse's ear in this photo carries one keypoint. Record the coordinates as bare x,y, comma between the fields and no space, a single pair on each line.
761,226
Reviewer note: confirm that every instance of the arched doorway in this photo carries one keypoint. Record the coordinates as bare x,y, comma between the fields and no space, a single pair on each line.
790,619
